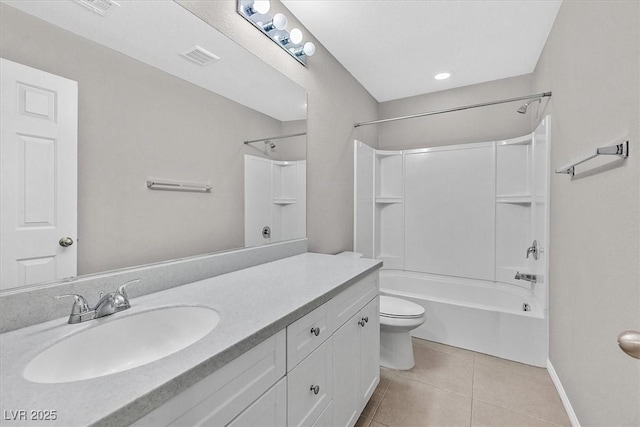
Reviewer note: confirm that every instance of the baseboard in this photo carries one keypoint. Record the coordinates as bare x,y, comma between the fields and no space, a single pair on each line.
563,395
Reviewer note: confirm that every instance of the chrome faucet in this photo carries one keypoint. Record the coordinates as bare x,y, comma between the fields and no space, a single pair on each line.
108,304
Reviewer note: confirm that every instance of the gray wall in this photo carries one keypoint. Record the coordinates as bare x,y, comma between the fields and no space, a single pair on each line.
134,122
473,125
335,102
591,62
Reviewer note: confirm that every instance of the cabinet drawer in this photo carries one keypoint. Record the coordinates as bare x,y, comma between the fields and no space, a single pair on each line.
326,418
270,410
304,406
220,397
306,334
351,300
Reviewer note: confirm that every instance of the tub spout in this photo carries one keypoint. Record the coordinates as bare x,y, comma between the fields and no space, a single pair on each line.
528,277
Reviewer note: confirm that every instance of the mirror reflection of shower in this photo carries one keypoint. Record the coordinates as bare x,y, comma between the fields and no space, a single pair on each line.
275,189
269,146
274,200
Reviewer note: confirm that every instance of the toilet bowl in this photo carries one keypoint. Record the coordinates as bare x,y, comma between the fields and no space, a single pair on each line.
397,318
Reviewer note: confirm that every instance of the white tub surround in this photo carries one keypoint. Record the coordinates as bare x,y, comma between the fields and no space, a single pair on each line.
253,304
473,220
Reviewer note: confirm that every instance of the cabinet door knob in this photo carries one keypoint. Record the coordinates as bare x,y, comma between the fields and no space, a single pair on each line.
316,332
361,322
315,389
366,319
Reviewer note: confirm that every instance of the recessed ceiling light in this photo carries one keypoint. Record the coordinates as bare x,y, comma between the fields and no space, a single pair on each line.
442,76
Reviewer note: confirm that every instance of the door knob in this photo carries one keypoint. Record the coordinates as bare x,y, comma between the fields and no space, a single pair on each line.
629,342
65,242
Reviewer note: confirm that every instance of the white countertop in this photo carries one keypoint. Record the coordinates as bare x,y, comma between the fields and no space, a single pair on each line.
253,304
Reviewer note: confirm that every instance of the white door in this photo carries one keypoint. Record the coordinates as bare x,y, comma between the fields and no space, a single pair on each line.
38,175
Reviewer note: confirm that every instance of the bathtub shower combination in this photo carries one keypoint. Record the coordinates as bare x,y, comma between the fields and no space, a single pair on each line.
463,232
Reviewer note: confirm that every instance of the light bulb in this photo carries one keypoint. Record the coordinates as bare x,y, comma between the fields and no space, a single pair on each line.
309,49
280,21
295,36
261,6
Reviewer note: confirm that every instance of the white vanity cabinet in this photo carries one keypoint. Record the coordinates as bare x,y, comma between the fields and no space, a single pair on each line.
356,363
354,359
217,399
319,371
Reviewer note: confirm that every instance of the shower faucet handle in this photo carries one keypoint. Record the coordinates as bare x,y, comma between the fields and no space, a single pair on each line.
533,249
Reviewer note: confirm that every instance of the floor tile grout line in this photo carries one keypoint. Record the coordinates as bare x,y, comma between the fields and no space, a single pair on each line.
384,393
438,387
473,382
519,413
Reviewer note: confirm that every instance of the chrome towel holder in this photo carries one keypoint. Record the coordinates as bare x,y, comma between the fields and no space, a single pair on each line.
169,185
621,150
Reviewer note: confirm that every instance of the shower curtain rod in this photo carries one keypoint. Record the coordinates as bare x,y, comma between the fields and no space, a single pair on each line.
276,137
449,110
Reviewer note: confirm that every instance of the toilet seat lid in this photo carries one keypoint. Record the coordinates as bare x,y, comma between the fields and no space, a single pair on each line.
396,307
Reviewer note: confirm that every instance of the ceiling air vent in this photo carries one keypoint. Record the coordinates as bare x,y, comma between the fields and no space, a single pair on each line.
98,6
200,56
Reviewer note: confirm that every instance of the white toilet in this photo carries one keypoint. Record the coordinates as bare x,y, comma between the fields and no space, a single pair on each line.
397,318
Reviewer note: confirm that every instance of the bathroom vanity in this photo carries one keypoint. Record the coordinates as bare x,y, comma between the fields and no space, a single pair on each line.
297,343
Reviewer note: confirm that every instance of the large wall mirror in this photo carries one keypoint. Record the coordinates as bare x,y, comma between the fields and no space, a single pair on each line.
145,111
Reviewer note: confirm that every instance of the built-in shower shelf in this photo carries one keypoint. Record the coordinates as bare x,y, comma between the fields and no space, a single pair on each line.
284,201
520,199
387,257
388,200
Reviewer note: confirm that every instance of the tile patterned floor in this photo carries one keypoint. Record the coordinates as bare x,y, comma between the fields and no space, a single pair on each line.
450,386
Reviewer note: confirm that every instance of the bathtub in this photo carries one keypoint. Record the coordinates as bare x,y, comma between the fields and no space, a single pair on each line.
486,317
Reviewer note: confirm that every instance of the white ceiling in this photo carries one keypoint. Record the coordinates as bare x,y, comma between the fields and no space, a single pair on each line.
394,48
155,32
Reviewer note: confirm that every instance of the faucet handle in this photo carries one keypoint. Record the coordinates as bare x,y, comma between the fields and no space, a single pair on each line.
79,306
121,288
121,297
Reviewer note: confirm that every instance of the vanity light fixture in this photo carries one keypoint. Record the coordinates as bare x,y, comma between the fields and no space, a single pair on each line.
279,22
257,12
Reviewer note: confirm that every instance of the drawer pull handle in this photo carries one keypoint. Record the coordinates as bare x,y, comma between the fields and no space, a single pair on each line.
316,332
361,322
315,389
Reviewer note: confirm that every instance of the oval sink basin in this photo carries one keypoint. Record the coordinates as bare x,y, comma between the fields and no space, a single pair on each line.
121,344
